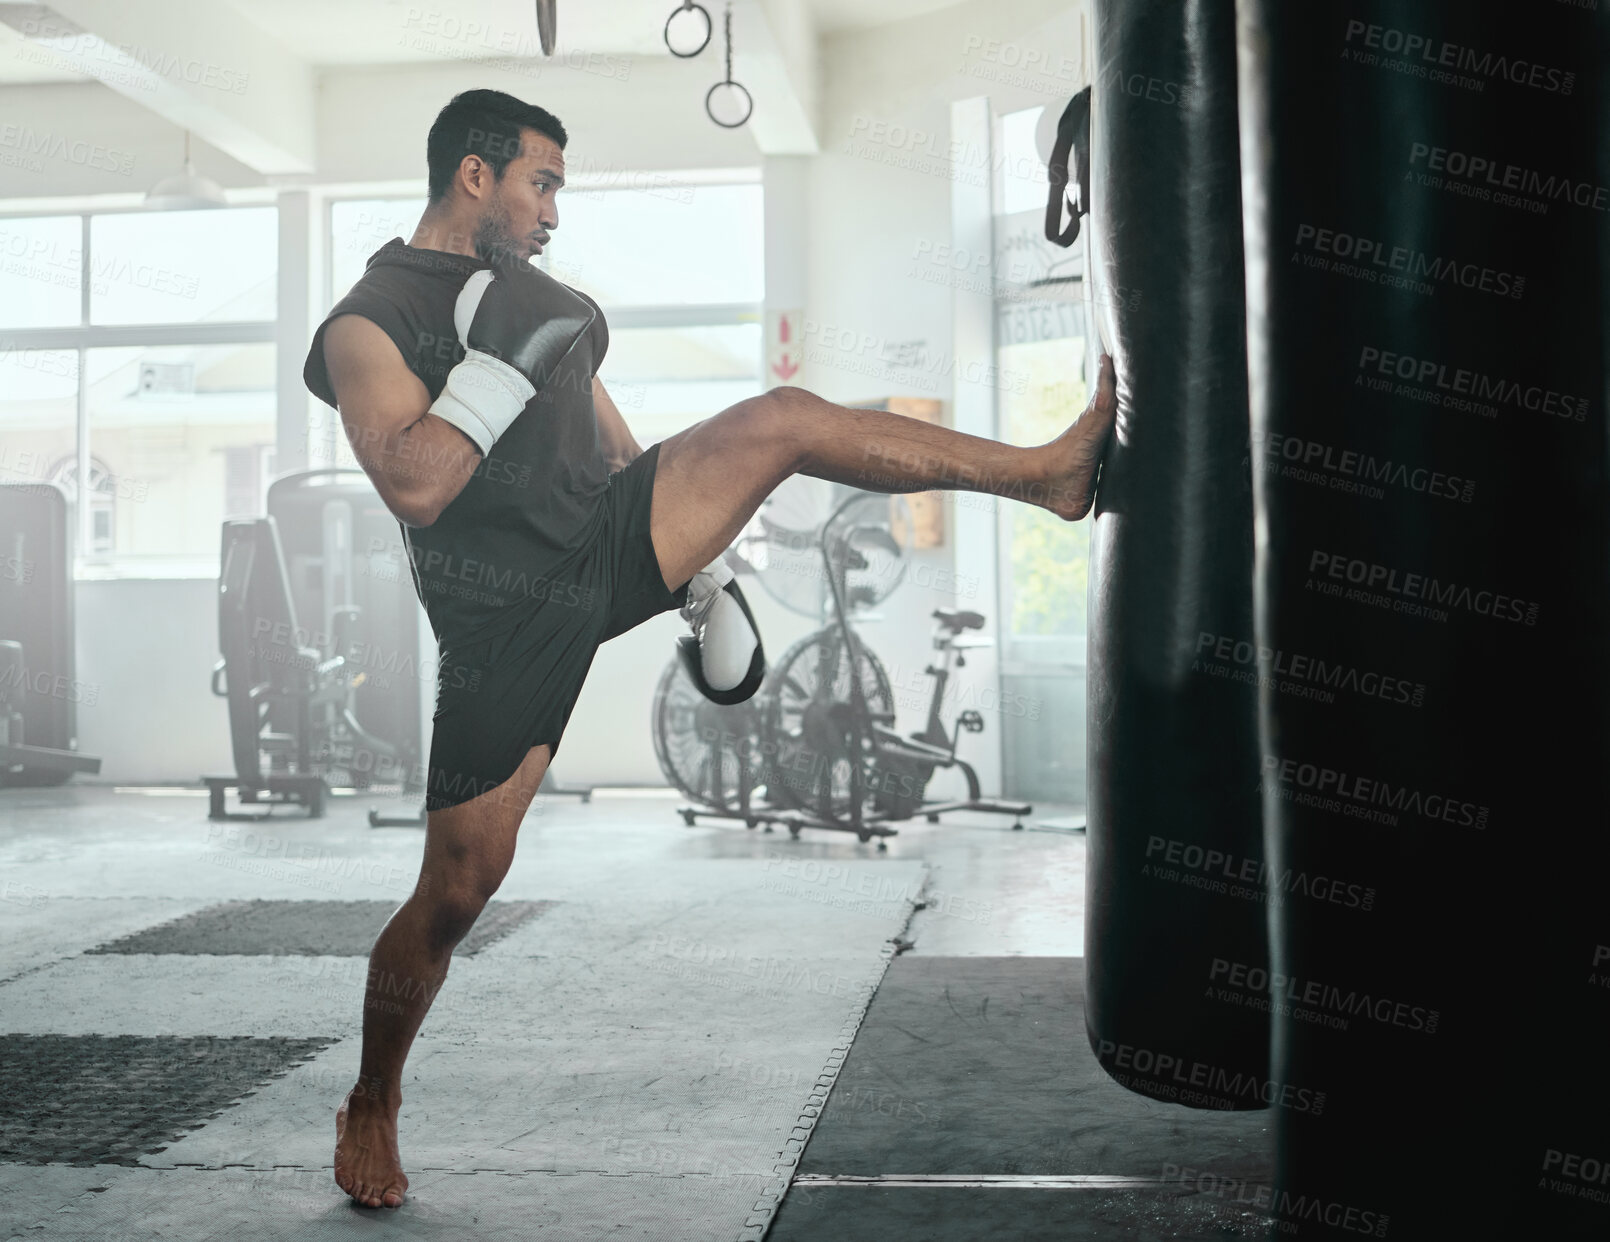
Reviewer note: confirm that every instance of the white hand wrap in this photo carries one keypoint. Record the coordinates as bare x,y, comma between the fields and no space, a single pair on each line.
483,395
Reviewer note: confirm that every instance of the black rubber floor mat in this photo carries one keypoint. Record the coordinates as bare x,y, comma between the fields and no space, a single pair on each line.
109,1099
980,1065
304,929
874,1214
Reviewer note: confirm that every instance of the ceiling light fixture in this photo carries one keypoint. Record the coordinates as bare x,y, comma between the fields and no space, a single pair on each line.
186,191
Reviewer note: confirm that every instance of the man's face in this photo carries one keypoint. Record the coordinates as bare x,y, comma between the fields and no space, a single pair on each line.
520,213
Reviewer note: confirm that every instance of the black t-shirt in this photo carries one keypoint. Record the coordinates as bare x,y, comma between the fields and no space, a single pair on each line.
534,501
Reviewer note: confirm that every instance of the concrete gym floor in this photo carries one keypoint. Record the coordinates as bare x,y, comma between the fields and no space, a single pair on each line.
639,1041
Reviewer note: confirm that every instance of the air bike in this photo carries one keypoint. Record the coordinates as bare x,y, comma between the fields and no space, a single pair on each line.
817,746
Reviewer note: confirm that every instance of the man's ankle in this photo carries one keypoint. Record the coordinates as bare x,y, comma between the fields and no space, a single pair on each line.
372,1089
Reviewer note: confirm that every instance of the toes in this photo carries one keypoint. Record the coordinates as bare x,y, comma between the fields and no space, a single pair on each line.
1106,383
1103,407
371,1194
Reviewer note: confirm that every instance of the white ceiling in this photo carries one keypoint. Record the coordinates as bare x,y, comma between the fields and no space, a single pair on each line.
355,32
376,32
22,63
401,31
294,52
835,15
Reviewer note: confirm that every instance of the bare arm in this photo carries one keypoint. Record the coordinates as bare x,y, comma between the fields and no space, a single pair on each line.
619,446
416,461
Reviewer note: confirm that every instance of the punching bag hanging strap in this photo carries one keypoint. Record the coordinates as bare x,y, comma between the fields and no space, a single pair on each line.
1073,136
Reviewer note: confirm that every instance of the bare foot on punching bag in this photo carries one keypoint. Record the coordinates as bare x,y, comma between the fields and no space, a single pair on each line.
1073,457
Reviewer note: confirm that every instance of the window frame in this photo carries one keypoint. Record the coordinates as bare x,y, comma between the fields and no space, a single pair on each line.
85,336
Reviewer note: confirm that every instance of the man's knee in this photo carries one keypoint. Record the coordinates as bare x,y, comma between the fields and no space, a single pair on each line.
451,913
454,900
776,420
788,404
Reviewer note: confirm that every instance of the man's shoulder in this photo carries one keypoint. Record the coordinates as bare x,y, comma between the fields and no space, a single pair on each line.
352,329
399,271
405,290
389,300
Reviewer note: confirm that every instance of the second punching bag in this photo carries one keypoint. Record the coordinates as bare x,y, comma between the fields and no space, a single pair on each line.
1428,253
1175,939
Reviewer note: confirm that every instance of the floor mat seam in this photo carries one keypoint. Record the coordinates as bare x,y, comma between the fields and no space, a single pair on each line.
765,1210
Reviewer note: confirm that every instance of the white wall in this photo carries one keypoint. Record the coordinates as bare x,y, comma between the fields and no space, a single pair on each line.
881,188
147,647
372,122
881,204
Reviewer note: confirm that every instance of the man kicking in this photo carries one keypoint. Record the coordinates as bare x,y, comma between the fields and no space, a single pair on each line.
537,528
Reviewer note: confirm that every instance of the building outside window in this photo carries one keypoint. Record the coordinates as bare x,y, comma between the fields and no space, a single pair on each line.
139,356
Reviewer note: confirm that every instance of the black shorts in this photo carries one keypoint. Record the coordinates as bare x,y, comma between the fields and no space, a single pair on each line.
498,696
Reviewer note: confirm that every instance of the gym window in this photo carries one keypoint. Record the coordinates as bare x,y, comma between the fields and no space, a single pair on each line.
684,332
1042,354
139,355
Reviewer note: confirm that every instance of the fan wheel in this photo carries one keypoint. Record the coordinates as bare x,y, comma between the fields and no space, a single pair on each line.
816,759
706,750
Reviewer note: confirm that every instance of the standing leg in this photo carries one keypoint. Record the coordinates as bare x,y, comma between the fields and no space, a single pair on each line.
468,849
712,477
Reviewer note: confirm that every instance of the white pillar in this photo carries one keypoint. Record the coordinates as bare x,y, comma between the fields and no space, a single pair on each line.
972,227
784,182
293,328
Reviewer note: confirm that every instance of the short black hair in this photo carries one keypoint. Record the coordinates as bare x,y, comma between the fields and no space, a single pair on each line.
483,123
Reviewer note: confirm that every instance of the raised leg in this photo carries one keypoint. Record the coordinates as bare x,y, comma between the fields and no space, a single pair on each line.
468,849
712,477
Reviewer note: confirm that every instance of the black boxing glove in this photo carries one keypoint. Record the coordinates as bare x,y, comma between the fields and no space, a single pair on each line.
516,328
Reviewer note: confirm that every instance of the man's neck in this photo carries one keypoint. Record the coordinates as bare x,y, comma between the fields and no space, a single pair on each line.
439,230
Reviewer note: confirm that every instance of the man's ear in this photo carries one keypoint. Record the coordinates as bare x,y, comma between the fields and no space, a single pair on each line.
476,175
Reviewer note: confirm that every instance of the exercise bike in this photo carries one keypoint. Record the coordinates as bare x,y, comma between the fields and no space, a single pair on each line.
828,749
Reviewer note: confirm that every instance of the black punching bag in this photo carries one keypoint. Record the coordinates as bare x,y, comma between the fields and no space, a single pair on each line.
1426,230
1175,940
